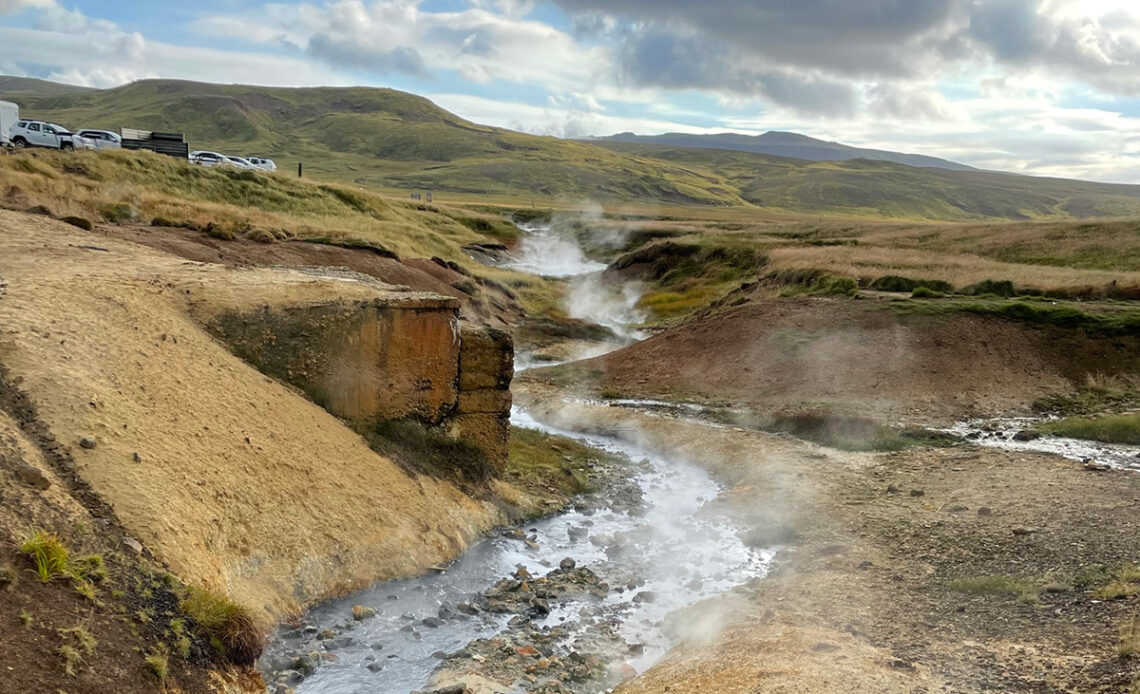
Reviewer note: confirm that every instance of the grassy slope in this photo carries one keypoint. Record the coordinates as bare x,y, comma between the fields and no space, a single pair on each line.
394,141
875,188
138,187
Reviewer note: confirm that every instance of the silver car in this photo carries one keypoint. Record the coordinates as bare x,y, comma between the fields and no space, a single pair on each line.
103,139
262,163
203,158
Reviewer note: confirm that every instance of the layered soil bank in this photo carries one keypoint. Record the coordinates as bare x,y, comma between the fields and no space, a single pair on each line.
958,569
856,356
229,477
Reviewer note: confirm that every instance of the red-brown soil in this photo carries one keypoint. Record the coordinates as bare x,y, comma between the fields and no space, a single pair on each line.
858,356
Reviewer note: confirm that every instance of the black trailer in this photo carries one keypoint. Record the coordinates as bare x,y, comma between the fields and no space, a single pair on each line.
171,144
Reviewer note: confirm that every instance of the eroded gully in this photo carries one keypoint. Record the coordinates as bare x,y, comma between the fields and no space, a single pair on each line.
647,552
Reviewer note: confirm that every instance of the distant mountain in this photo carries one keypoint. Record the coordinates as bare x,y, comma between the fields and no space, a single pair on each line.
398,142
784,144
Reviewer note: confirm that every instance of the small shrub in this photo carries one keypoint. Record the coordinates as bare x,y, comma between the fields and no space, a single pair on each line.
260,236
842,285
81,222
49,555
1001,288
230,628
926,293
157,666
219,232
118,212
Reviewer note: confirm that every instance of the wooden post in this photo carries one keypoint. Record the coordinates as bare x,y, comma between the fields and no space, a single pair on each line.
300,169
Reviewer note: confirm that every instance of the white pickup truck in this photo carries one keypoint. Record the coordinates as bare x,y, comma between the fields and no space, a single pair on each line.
37,133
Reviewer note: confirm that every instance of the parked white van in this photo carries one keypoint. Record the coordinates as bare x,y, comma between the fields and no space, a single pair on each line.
9,116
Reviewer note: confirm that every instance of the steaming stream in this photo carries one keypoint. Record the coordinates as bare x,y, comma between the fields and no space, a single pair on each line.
674,548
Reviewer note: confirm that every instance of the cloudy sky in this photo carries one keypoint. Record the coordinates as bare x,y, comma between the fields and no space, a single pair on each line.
1048,87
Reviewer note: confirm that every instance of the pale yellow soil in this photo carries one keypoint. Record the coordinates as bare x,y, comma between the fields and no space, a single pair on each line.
859,599
240,482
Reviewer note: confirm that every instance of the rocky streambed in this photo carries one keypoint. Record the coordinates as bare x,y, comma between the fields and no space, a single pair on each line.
572,603
1018,434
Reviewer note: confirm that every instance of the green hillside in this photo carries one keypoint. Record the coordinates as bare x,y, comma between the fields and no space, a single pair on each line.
386,139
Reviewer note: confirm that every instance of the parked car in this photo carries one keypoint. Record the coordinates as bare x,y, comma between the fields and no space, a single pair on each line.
262,163
203,158
36,133
239,162
103,139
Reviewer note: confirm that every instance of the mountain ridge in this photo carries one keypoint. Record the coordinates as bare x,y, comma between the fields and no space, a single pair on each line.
397,142
786,144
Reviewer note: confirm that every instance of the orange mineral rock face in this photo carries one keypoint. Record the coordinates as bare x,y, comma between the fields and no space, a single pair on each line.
392,359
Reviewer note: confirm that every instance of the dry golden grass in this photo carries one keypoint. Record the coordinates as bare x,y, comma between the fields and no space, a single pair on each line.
959,270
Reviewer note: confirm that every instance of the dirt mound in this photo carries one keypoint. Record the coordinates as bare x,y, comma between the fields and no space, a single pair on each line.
230,478
860,356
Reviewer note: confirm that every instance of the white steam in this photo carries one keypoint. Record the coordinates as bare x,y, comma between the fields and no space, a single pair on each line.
555,250
544,251
614,306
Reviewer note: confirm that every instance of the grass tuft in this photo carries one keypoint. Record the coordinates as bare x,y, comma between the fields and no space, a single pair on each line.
49,555
1023,589
157,665
230,628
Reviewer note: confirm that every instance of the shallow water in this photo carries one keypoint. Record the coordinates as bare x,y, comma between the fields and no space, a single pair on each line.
998,433
676,548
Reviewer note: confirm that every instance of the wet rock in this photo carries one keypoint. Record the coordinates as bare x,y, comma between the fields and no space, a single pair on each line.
458,688
1026,435
87,442
307,664
283,689
342,642
985,511
522,574
378,646
32,476
374,667
567,564
892,489
447,612
432,622
645,596
290,677
360,612
576,533
133,544
1022,531
917,492
468,608
408,628
958,509
1093,466
326,634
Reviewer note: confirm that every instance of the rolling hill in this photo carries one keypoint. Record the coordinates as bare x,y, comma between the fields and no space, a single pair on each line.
784,144
395,141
